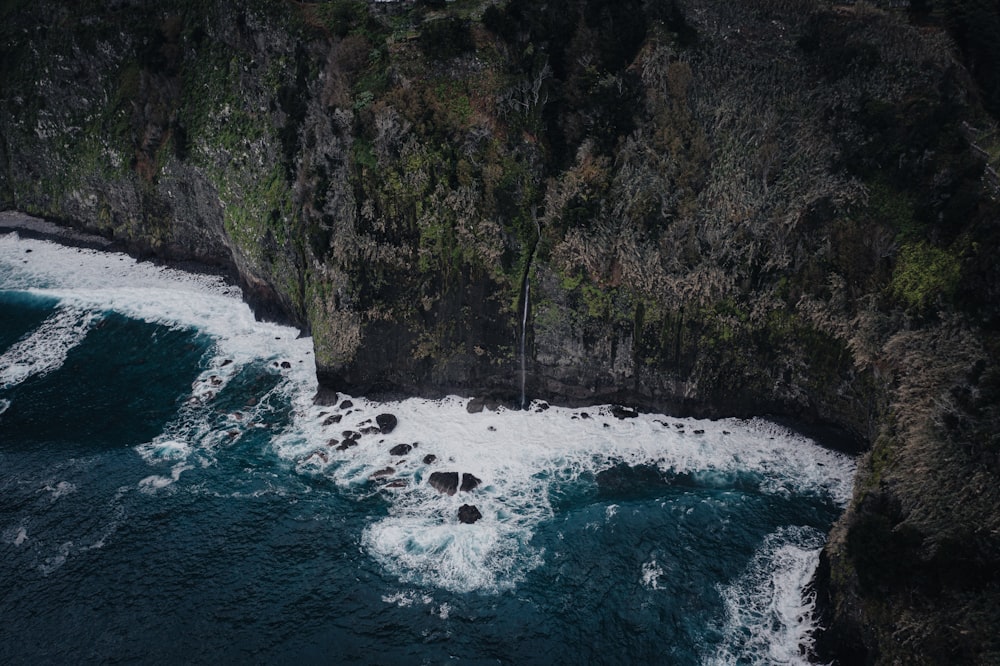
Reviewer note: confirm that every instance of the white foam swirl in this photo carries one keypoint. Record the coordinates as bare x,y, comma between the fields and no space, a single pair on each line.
768,619
45,349
521,457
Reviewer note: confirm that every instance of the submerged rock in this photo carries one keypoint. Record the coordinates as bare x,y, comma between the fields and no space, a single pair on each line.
444,482
629,481
468,514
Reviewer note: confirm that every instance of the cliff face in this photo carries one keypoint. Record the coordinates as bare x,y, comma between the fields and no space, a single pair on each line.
697,206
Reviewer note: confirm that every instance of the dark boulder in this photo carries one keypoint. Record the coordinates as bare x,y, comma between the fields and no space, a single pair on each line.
346,444
475,405
429,459
346,404
468,514
387,471
620,412
444,482
469,483
386,423
400,450
330,420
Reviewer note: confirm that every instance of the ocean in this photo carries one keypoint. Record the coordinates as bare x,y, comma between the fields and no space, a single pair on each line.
170,493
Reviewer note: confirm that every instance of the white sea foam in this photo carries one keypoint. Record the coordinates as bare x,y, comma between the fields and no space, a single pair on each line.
520,456
768,620
651,574
4,405
61,489
15,536
155,482
86,282
45,349
406,599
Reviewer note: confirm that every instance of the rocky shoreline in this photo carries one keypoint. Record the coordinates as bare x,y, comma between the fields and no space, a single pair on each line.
714,209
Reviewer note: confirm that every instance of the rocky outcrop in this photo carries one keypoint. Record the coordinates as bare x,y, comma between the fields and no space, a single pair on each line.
468,514
714,208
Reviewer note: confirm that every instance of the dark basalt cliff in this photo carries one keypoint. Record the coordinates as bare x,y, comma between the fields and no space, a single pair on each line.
714,208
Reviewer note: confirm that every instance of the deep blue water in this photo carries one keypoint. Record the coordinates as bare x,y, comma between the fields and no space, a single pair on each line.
117,546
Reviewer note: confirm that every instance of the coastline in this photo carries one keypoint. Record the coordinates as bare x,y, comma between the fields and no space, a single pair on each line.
29,226
828,436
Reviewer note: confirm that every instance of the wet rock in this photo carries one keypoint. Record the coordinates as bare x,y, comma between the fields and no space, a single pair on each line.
226,362
620,412
584,415
386,423
475,406
468,514
400,450
541,406
382,473
628,481
286,365
396,483
347,404
346,444
699,432
429,459
330,420
469,483
333,442
350,434
444,482
370,430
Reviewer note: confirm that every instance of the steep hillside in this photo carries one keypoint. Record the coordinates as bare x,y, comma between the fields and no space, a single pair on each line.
699,206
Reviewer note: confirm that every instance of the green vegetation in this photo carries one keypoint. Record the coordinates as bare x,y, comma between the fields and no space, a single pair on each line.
925,273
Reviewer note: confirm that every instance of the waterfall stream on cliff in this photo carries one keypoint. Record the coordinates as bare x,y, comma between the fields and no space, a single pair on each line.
171,493
524,341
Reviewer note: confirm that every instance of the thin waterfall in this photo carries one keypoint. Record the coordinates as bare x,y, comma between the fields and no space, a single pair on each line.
524,337
524,314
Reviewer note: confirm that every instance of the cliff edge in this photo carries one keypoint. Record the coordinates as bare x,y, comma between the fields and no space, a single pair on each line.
696,206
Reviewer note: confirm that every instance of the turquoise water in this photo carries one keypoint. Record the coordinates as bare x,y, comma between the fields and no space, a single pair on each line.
169,495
